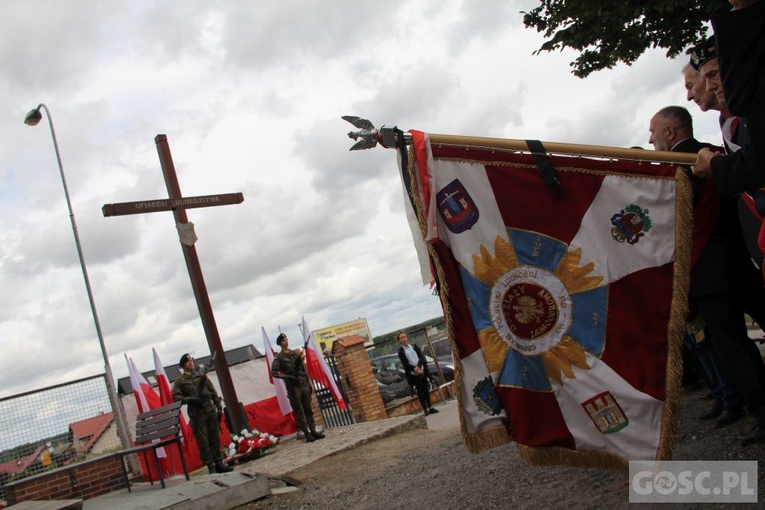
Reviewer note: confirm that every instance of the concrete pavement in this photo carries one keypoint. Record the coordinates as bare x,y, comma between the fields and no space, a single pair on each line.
253,480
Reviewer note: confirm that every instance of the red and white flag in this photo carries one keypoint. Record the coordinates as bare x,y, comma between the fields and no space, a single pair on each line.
163,383
145,397
279,386
166,397
166,392
317,368
566,311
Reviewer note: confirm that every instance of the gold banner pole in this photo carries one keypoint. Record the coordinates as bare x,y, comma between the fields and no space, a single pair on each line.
571,149
368,136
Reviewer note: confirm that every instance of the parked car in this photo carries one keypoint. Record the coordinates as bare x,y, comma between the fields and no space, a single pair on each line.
394,390
442,349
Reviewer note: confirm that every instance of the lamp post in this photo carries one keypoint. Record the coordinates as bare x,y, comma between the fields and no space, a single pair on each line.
32,119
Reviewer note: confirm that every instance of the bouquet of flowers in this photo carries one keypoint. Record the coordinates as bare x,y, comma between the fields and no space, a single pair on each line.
249,445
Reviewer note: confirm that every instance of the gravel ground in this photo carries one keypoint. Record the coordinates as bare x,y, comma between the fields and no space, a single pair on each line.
432,469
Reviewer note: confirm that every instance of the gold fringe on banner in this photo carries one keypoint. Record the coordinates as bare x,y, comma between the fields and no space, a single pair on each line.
487,438
556,456
678,313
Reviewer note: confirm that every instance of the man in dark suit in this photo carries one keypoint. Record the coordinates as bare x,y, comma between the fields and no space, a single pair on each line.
744,169
752,203
416,370
741,47
719,255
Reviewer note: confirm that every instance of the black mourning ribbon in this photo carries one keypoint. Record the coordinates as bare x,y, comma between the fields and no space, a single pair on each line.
401,145
546,168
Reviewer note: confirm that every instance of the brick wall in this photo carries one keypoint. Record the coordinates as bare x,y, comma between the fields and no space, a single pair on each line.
84,480
318,418
360,384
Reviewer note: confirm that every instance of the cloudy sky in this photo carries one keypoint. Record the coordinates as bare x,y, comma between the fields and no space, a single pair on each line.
250,95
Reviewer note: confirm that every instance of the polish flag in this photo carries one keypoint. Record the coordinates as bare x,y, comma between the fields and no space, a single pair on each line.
279,386
145,397
317,368
166,397
165,392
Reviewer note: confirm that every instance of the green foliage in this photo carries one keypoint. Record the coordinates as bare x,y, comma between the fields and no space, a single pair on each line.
388,337
606,33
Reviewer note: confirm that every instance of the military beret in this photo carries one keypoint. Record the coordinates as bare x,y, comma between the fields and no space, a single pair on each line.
703,53
281,337
184,359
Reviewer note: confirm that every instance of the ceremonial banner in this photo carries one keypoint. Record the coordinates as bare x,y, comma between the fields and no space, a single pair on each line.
564,296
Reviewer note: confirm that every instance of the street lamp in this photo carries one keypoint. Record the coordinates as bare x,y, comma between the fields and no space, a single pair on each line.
32,119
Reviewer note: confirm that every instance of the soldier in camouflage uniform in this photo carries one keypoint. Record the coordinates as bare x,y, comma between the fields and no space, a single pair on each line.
288,365
204,407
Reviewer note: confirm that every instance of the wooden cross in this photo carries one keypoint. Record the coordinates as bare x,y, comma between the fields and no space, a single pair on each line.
178,204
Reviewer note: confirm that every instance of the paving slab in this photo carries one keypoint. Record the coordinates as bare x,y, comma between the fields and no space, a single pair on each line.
200,493
59,504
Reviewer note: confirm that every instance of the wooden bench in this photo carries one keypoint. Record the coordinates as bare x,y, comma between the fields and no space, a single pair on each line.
155,429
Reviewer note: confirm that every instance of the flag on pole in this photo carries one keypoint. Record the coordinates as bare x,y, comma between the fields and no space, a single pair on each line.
163,383
166,392
145,397
190,451
565,312
317,368
279,386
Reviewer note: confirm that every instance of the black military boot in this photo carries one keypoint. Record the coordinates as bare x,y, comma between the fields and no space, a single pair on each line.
222,467
317,435
309,437
211,468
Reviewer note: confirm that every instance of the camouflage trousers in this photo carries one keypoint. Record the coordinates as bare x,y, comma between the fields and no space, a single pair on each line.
206,432
300,400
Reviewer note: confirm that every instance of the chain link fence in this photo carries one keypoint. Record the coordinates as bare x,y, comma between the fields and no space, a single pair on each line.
55,426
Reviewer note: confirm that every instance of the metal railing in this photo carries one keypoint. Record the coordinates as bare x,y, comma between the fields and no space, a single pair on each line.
332,414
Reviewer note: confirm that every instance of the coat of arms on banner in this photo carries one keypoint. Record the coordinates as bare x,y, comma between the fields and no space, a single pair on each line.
456,207
630,224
